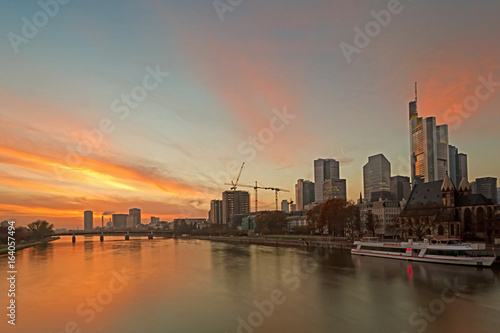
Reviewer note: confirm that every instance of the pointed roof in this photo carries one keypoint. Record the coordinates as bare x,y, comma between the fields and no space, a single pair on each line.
464,185
447,184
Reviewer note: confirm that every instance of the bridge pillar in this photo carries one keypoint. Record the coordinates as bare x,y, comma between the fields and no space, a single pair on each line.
73,239
101,238
150,236
127,236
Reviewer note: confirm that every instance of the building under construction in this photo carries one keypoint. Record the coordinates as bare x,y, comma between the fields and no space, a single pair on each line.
234,203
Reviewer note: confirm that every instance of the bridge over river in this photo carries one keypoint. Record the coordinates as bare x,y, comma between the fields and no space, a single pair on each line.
126,233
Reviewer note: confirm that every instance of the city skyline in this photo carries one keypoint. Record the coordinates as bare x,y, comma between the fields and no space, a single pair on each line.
214,85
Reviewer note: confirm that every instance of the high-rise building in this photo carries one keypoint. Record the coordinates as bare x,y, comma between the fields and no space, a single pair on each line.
473,187
498,195
458,166
377,177
324,169
136,213
334,188
216,211
452,153
400,188
285,206
234,203
88,220
131,221
119,220
428,146
487,186
462,169
304,193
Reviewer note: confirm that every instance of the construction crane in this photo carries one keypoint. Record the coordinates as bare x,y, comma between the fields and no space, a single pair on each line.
235,184
276,190
255,188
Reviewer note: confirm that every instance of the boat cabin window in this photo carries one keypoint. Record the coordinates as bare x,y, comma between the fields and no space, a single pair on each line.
384,249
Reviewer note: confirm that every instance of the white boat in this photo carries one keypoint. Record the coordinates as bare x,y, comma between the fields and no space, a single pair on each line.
443,251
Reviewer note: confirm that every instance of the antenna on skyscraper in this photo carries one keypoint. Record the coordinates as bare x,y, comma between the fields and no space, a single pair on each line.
415,95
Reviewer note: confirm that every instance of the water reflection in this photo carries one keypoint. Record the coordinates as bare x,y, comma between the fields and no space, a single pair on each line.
199,286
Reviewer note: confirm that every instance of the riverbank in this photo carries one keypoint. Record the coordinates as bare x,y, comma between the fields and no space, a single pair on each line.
26,245
321,242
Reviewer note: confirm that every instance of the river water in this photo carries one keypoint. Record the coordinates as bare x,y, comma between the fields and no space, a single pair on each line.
167,285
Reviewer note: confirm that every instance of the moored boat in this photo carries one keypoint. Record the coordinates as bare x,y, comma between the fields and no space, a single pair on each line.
443,251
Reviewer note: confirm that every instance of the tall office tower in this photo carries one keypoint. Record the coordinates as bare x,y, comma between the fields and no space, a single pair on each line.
304,193
216,211
136,213
429,147
234,203
334,188
453,152
131,221
458,166
487,186
473,187
498,195
285,206
377,177
462,169
324,169
120,220
88,220
400,188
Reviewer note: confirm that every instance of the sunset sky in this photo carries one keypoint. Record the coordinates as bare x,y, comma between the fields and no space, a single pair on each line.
70,142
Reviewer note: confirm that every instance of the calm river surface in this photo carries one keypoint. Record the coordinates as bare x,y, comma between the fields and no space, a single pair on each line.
166,285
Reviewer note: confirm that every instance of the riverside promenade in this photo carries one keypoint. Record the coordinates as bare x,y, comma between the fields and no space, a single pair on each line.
306,241
5,249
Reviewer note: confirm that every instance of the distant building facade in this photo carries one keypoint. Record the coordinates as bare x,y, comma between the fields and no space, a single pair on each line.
387,214
88,220
136,214
304,193
119,220
234,203
324,169
215,214
285,208
400,188
377,177
335,188
487,186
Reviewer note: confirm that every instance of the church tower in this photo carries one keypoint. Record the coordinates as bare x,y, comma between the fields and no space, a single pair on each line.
448,192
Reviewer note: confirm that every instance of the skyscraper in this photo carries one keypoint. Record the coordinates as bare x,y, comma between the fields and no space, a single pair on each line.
487,186
453,152
234,203
400,188
216,211
458,165
88,220
324,169
462,169
334,188
377,177
304,193
136,213
429,147
120,220
285,206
